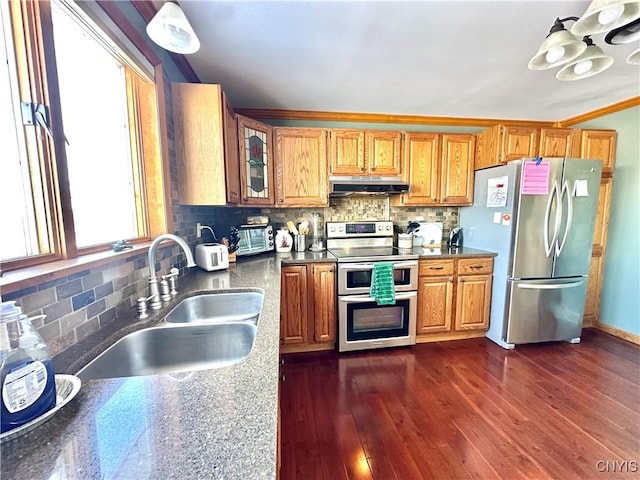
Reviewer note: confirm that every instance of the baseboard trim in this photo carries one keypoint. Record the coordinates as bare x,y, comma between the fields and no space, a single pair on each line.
616,332
446,336
302,348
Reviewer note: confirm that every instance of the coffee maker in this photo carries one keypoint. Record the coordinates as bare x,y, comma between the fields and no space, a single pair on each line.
455,237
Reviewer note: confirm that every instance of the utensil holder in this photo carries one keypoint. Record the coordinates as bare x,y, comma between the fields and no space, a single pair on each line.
300,243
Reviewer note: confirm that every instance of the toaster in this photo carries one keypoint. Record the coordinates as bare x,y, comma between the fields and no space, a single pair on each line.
212,256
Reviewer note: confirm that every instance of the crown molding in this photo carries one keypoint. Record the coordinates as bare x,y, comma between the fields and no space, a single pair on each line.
600,112
318,116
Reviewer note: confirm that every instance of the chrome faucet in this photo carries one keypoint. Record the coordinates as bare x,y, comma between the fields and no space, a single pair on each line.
154,294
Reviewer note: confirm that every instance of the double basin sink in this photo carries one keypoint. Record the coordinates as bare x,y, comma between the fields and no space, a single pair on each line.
205,331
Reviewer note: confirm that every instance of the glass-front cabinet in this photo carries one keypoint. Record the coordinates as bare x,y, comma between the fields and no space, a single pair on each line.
256,162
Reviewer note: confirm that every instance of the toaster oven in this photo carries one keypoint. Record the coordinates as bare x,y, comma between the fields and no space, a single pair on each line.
255,239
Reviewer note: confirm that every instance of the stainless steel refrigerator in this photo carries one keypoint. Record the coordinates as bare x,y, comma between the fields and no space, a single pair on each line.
539,216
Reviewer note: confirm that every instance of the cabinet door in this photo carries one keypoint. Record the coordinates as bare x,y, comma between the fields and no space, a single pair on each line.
602,216
594,284
517,142
556,142
421,168
473,302
256,162
301,159
382,155
293,305
324,302
456,187
486,154
599,145
346,152
435,304
199,143
231,153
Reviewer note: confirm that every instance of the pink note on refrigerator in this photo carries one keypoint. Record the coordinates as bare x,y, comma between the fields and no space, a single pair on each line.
535,178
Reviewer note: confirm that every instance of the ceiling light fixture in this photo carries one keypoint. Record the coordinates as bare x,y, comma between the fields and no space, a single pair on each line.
605,15
634,57
170,29
558,48
591,62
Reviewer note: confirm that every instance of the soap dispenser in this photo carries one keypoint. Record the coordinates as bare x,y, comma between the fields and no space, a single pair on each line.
26,372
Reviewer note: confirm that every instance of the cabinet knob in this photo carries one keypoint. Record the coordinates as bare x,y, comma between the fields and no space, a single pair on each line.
373,169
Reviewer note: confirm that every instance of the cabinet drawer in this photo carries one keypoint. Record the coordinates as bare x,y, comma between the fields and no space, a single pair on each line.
475,266
436,267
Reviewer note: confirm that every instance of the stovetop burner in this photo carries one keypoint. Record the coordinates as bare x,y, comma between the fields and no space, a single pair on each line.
364,242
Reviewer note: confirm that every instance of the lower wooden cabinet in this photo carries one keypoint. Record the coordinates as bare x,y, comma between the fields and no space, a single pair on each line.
454,298
308,307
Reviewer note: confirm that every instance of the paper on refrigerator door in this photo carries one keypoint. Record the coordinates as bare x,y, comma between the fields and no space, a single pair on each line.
535,178
581,189
497,191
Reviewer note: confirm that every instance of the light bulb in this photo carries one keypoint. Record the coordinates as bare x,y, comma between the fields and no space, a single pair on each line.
582,67
611,14
554,54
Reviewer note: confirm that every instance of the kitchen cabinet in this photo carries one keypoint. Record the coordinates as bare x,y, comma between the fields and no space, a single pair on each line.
256,161
206,150
594,286
301,167
454,298
382,153
365,152
346,152
599,145
502,143
308,307
456,179
438,168
559,142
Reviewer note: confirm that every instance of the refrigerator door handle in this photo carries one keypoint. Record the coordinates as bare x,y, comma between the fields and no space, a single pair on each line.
548,246
549,286
565,189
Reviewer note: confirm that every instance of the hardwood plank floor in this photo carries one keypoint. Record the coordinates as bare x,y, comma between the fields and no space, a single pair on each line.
464,409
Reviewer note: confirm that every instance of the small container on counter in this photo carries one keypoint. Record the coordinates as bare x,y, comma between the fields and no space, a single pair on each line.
405,241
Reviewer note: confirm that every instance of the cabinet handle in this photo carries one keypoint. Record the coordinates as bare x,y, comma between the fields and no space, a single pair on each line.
436,268
475,266
283,378
362,169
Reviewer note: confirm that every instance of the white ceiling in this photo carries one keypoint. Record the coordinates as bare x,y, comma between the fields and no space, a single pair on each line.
433,58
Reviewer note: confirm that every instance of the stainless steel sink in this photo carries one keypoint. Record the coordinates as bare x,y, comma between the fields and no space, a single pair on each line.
171,349
218,307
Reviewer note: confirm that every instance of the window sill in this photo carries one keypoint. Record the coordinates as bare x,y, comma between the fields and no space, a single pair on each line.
33,276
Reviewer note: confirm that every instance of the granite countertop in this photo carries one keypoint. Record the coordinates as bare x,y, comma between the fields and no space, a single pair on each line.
445,252
213,424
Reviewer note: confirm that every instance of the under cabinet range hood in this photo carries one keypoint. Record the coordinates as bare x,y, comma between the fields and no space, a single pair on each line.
341,186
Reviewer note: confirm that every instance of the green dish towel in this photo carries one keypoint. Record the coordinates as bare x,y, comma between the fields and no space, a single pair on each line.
382,284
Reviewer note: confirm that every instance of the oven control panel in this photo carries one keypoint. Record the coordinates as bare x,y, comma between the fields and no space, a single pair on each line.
359,229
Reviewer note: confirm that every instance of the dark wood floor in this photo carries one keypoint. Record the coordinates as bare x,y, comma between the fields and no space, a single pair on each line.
464,409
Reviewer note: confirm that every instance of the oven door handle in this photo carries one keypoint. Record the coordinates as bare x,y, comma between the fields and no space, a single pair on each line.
354,299
350,267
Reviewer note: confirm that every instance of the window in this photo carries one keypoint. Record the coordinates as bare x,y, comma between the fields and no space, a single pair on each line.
82,166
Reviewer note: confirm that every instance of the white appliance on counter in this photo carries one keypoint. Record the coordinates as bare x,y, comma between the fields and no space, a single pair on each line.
212,256
428,234
539,216
362,323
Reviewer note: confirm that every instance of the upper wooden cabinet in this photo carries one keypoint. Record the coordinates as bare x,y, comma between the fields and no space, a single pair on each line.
501,143
558,142
346,152
599,145
256,160
382,154
456,179
438,168
301,167
365,152
205,148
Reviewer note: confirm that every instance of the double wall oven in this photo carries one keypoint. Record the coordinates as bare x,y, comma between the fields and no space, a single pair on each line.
362,323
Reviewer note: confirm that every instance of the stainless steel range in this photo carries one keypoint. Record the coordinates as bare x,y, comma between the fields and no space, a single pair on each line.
362,323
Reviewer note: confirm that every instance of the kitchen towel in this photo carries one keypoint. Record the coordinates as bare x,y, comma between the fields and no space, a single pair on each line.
382,284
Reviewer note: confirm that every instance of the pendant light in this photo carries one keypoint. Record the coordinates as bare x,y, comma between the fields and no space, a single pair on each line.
558,48
170,29
588,64
605,15
634,57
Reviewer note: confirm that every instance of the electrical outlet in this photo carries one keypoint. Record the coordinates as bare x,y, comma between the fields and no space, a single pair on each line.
198,230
